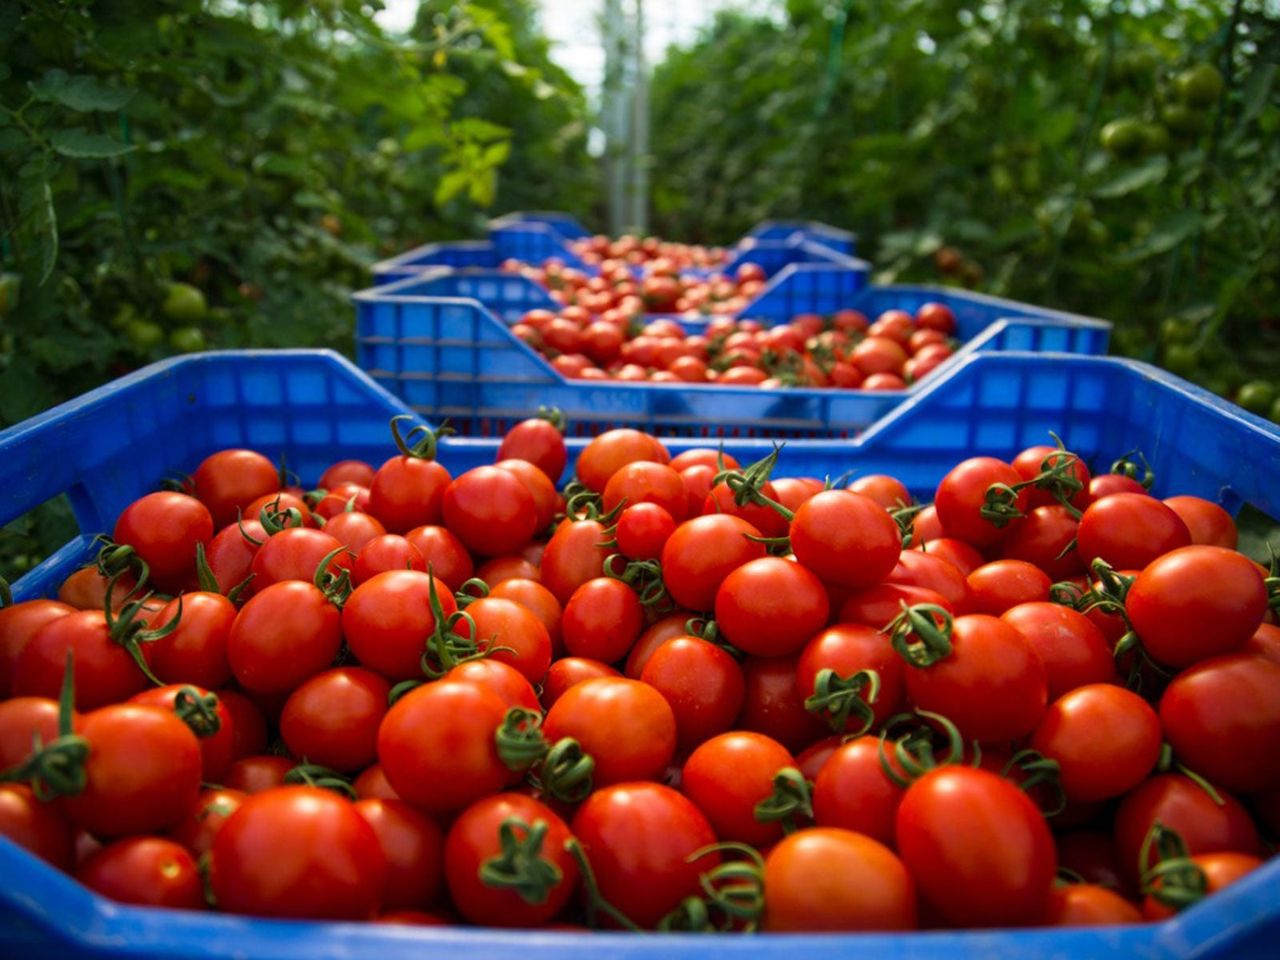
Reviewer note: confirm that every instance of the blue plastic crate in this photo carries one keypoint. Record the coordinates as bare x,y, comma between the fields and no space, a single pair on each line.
435,342
117,442
842,241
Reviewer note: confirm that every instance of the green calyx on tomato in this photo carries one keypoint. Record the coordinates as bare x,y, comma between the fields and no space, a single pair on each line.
921,634
792,798
520,866
56,769
1175,880
733,897
422,448
837,698
315,775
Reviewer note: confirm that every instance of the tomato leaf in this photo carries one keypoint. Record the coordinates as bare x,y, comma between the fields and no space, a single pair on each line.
79,93
1135,179
84,144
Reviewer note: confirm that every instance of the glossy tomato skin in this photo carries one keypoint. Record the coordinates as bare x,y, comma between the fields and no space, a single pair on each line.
1220,870
932,572
1003,584
638,838
853,792
625,725
147,871
848,649
1184,806
408,492
230,554
474,838
296,553
21,720
614,449
282,636
702,552
217,750
1129,530
391,551
992,685
877,606
1089,905
232,479
38,827
770,607
490,510
437,747
196,651
1073,649
1196,602
413,845
388,618
546,499
505,623
845,538
978,848
1222,718
142,773
573,556
774,703
1208,523
962,492
104,671
198,826
728,775
539,601
828,879
503,679
646,482
258,773
165,528
540,443
1105,738
442,553
298,852
18,624
332,719
568,671
1046,537
602,620
702,684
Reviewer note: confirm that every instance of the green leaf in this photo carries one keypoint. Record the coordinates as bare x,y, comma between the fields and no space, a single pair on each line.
1175,228
1256,91
36,205
450,185
83,144
23,391
80,93
495,155
1135,179
11,138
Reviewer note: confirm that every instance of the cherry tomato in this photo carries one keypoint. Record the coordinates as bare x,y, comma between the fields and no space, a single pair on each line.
35,826
346,471
1220,869
332,719
1003,584
770,606
394,552
18,624
198,826
165,528
1129,530
475,838
702,553
1089,905
702,684
849,649
877,606
248,725
774,703
354,529
388,618
413,845
258,773
573,556
1207,522
978,848
962,493
545,498
915,568
853,792
614,449
22,719
1196,602
104,671
437,748
502,678
889,492
1265,642
1073,650
728,776
196,650
372,785
296,553
230,555
145,870
1107,484
539,442
298,852
230,480
1046,537
959,554
506,624
643,530
1034,461
539,601
638,838
602,620
217,748
1222,718
283,635
845,538
827,879
408,492
569,671
625,725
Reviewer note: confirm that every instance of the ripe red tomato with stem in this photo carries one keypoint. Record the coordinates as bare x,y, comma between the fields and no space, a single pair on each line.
643,530
1034,461
961,497
538,600
19,622
36,826
702,553
507,862
919,569
639,839
296,553
1046,537
502,678
574,555
389,618
702,684
546,499
1208,523
845,538
878,606
774,703
230,554
1003,584
285,634
602,620
354,529
851,677
230,480
413,845
771,606
196,650
1129,530
645,482
747,786
978,848
829,879
626,726
394,552
208,718
407,491
298,852
512,634
614,449
852,791
148,871
164,528
1072,648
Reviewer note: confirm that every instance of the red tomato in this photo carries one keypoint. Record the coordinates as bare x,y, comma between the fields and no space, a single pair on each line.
1092,855
346,471
537,599
248,725
165,528
889,492
962,493
602,620
764,518
217,748
354,529
793,491
926,527
936,316
142,773
1034,461
1196,602
283,635
279,504
373,785
879,354
1089,905
1107,484
659,632
296,554
1222,718
503,679
333,718
729,776
827,879
1106,741
1073,650
702,684
614,449
853,792
388,618
545,498
22,719
436,745
702,553
625,725
845,538
104,671
645,482
394,552
848,649
770,606
490,510
1220,870
1265,642
978,848
258,773
18,624
413,845
568,671
774,703
229,480
643,530
35,826
573,556
638,838
1129,530
230,554
196,651
1207,522
147,871
476,839
201,822
992,685
298,852
877,606
505,623
1046,538
959,554
915,568
1003,584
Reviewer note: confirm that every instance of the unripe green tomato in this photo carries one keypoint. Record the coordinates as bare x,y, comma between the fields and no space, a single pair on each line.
1184,120
10,291
187,339
1180,358
1275,411
1257,396
1155,138
1177,330
1123,137
184,303
1201,85
144,334
125,314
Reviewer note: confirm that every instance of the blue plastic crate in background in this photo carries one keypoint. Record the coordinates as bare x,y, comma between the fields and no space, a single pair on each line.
435,342
116,443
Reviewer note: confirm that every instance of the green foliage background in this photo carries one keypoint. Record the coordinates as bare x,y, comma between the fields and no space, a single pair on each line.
973,128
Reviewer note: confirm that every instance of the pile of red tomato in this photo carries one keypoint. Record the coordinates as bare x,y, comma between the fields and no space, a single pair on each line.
846,351
678,694
642,251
